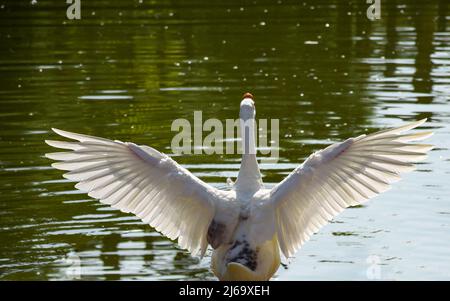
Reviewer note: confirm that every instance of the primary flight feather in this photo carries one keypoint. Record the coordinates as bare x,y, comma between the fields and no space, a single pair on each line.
249,225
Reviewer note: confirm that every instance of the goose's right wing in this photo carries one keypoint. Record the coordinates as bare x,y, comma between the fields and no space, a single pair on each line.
341,175
143,181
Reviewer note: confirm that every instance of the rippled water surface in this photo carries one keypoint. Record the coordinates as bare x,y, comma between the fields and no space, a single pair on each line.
127,69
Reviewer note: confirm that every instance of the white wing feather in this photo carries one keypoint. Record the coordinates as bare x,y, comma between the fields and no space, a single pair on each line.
143,181
342,175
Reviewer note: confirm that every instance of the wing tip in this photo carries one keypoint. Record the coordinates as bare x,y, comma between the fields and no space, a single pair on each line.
413,125
49,156
62,133
421,121
57,131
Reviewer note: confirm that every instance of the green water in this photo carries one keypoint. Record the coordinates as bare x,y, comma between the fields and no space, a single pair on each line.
127,69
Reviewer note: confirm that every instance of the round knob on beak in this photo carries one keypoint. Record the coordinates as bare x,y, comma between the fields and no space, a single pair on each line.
248,95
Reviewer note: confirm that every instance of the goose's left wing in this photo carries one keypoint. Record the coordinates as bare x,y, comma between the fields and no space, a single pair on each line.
342,175
143,181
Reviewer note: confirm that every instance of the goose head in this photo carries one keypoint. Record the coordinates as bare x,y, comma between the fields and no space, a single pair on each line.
247,110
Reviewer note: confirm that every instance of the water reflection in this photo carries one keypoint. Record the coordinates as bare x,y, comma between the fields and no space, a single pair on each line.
390,50
125,71
424,27
109,255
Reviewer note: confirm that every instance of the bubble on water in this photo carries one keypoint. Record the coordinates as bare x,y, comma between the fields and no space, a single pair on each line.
262,23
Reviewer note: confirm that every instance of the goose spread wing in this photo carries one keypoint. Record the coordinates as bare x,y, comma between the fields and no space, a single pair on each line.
143,181
341,175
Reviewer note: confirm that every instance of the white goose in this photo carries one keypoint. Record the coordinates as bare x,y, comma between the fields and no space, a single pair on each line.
248,225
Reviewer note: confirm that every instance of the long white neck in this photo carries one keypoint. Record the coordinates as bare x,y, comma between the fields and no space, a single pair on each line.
249,179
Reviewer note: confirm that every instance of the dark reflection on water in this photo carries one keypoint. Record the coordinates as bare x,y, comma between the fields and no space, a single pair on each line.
109,254
126,70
